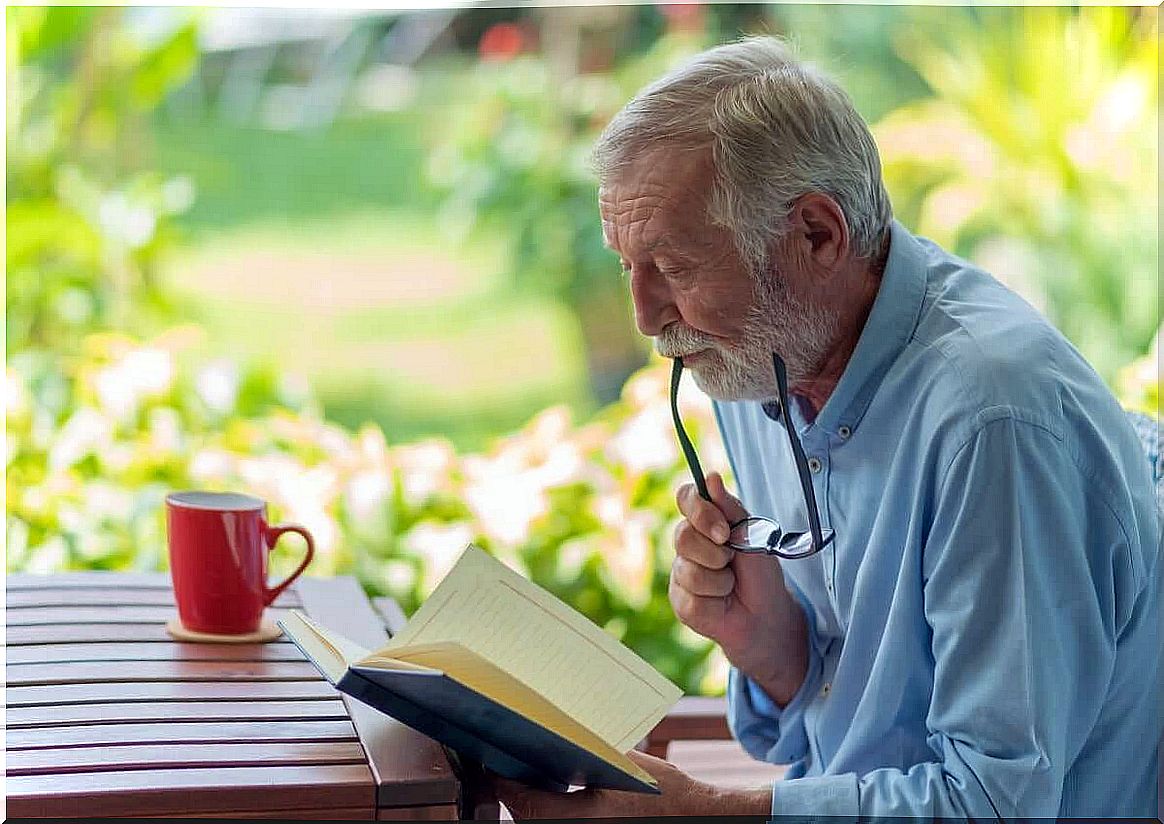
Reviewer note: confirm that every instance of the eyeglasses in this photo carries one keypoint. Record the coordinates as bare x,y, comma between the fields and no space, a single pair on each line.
757,534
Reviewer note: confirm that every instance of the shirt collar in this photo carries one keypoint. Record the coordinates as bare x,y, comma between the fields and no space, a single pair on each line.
888,329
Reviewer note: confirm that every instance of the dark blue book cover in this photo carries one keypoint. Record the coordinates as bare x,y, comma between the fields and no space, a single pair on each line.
463,719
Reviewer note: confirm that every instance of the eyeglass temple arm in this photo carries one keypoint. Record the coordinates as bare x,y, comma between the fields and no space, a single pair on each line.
798,452
684,441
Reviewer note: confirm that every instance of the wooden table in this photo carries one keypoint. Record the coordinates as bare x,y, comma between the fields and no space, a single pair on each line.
109,716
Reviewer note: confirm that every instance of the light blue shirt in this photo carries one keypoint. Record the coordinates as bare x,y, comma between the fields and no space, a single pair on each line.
985,630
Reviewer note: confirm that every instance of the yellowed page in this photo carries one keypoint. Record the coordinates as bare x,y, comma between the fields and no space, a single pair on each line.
483,677
523,630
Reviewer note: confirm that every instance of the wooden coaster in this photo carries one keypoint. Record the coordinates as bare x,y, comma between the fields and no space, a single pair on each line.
267,631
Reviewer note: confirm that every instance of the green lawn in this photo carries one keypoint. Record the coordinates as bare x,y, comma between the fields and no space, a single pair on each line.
322,253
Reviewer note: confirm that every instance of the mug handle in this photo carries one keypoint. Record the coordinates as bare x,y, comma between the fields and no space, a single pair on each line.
273,533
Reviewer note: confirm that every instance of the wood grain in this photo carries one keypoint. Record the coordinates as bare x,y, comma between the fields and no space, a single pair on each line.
442,812
130,651
87,580
109,596
50,761
154,632
189,792
338,814
101,672
410,768
107,715
192,732
120,713
161,691
131,614
694,718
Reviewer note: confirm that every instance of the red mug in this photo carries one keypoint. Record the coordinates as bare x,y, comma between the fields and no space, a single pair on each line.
219,542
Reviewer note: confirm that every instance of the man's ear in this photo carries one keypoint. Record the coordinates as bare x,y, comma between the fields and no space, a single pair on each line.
818,233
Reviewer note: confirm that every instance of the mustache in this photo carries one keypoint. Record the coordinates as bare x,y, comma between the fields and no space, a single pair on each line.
678,339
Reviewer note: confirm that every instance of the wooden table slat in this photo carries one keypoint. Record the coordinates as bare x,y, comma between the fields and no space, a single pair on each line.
189,792
132,614
129,651
150,632
87,580
181,732
110,596
167,691
71,714
334,814
51,761
442,812
410,768
108,716
102,672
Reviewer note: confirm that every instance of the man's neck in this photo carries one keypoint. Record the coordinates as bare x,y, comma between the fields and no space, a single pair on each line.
852,313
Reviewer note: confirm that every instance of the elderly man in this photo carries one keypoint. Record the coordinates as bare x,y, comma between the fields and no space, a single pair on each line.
981,635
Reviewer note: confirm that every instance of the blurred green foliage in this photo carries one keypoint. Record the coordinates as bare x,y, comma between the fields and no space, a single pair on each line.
86,222
1054,190
96,441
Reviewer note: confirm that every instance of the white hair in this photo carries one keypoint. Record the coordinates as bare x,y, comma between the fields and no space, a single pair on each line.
777,129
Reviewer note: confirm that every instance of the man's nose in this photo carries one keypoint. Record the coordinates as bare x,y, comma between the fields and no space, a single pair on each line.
654,307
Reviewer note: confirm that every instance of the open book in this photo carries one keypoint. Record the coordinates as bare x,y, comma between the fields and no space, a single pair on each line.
501,671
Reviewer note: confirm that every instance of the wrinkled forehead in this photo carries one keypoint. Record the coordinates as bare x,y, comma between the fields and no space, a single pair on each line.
665,178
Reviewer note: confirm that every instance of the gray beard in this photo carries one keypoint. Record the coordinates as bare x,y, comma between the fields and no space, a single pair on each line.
800,333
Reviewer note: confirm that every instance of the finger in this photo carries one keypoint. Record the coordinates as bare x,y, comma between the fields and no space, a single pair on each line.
693,545
524,801
701,613
727,503
699,580
704,515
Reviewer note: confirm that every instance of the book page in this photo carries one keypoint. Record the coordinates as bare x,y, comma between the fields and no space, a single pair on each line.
520,628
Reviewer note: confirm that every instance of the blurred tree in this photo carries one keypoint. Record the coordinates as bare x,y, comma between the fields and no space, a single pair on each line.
512,157
1053,189
86,224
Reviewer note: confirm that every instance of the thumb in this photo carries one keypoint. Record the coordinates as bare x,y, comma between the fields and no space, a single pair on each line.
728,504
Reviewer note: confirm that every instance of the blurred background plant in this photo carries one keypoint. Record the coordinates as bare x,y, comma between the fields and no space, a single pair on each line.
350,261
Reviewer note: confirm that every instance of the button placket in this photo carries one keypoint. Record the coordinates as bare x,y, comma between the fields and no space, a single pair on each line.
828,555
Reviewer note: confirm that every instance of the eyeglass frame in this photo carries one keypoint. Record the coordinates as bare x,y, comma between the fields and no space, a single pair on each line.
819,539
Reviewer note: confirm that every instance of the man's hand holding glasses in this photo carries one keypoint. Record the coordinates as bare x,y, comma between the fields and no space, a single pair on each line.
726,582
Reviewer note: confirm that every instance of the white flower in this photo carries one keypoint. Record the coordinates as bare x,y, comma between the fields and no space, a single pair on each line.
126,222
141,374
217,384
503,497
209,465
86,431
424,467
16,401
366,492
165,430
51,556
439,545
646,442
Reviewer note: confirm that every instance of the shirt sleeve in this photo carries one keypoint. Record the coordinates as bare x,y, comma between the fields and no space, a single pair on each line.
765,730
1018,592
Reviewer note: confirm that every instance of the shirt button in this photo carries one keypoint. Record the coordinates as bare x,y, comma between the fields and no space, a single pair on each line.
826,689
814,465
844,431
